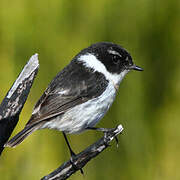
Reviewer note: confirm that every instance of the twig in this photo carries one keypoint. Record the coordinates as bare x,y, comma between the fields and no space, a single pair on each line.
81,159
13,103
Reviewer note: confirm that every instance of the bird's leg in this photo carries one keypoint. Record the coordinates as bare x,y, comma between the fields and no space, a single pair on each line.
67,142
71,153
105,131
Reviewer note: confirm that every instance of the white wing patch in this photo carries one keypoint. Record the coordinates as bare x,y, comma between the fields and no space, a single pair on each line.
64,92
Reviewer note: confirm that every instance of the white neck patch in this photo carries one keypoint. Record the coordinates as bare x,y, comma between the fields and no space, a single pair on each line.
90,61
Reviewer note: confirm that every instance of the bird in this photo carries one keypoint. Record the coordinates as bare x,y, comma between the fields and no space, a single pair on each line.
81,94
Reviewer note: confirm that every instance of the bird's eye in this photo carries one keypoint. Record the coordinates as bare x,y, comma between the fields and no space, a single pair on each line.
115,59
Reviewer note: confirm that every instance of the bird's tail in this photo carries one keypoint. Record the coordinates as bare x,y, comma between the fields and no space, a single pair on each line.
18,138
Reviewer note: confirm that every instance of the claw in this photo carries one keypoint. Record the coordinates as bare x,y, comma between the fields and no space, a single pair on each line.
105,131
74,166
72,155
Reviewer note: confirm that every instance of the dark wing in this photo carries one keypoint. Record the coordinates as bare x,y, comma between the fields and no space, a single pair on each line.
69,88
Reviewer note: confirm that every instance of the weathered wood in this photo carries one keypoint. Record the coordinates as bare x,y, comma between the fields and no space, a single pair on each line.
13,102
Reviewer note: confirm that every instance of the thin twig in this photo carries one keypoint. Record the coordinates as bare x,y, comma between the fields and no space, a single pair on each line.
81,159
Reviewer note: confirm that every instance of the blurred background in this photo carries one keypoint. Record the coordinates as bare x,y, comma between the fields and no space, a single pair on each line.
147,104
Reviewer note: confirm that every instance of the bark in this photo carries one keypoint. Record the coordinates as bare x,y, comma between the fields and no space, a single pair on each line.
13,102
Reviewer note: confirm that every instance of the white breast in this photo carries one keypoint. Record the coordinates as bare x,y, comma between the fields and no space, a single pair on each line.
84,115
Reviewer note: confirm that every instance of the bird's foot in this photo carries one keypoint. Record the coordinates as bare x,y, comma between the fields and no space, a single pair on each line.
106,131
73,155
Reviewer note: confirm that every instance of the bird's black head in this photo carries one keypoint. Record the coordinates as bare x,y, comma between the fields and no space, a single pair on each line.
115,58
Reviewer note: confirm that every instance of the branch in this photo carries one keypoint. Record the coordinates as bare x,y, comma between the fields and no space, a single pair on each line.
81,159
13,103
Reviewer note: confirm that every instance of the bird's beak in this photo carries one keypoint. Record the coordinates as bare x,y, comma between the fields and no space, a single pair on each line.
137,68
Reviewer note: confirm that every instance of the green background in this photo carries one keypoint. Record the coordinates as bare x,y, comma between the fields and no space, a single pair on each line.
148,102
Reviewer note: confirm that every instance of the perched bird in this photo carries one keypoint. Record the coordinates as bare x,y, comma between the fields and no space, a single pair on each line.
81,94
